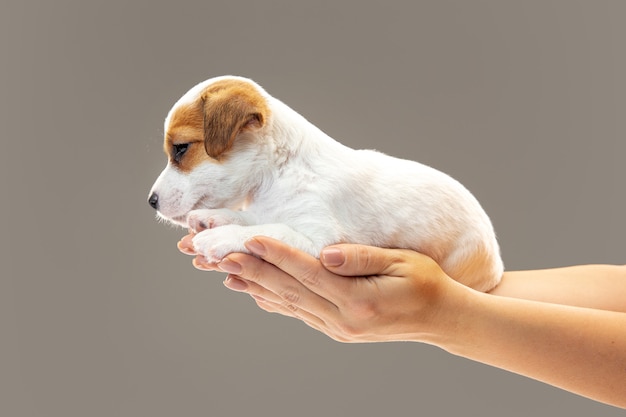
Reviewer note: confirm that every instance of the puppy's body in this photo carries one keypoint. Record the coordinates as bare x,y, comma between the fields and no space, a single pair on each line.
244,164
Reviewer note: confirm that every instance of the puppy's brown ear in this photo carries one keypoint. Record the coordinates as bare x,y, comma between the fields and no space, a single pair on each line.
227,113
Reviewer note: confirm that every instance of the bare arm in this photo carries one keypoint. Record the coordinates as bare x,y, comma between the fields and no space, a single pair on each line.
594,286
578,349
364,294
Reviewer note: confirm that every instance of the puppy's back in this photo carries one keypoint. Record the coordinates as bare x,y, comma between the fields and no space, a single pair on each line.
396,203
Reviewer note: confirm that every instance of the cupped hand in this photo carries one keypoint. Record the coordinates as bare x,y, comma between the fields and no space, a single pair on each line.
185,245
353,293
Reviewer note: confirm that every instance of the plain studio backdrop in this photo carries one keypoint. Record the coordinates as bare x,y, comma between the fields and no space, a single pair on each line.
524,102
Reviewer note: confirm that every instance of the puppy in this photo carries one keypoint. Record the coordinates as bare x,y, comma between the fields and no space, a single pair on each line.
242,164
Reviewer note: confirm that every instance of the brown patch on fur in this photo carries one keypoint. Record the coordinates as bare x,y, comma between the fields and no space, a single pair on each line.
472,274
186,127
230,107
223,110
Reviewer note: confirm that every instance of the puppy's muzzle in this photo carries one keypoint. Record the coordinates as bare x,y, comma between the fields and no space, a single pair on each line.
153,200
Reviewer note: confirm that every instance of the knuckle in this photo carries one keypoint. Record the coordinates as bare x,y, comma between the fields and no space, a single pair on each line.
293,310
290,296
374,261
310,277
366,260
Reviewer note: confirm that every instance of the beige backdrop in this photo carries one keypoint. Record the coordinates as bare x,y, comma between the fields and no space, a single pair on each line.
100,316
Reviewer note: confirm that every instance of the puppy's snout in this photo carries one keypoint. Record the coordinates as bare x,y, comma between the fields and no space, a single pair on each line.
153,200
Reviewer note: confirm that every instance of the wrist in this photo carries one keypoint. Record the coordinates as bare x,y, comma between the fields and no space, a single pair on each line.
449,317
455,328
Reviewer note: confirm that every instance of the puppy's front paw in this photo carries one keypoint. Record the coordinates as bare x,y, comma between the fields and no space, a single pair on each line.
199,220
215,244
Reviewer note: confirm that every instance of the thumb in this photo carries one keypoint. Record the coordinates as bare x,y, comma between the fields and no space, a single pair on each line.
361,260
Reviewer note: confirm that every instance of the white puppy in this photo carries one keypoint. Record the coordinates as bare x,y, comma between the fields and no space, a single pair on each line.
242,164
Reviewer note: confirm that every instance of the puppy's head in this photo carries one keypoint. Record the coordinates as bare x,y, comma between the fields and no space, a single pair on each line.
209,134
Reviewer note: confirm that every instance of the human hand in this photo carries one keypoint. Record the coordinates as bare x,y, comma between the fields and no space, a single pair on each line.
358,293
354,293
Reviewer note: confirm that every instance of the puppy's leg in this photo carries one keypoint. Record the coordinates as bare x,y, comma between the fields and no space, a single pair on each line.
216,243
199,220
475,264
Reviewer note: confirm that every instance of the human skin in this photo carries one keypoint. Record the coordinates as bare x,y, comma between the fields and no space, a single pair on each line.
563,326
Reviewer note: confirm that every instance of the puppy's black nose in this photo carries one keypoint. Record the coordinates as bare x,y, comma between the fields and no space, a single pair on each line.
153,200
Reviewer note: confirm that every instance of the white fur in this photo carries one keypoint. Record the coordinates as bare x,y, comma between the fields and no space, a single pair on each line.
296,184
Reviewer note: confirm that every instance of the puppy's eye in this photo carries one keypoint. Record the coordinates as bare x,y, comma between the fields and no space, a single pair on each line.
179,151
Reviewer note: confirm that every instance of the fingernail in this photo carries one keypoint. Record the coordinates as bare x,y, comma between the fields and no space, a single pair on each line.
235,284
230,267
200,262
255,247
332,257
185,248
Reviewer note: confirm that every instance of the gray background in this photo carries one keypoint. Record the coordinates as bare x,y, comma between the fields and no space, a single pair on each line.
524,102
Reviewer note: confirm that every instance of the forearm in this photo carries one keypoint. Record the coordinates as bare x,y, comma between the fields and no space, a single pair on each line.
593,286
365,294
577,349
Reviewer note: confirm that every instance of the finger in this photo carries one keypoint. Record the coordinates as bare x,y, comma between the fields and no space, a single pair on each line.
360,260
288,289
301,266
239,284
265,299
288,311
185,245
269,301
201,263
